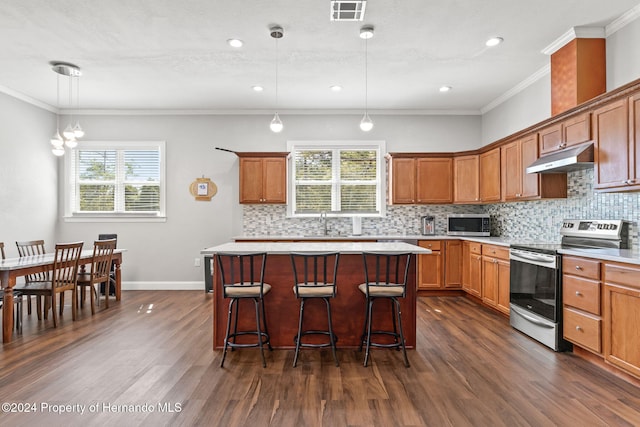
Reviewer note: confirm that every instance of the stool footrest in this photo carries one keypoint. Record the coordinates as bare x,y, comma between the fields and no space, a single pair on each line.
314,345
264,336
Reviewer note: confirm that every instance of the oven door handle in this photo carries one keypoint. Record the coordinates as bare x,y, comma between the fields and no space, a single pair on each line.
530,318
531,257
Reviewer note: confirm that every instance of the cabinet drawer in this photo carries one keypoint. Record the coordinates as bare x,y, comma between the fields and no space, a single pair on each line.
475,248
582,329
495,251
622,275
581,267
434,245
581,293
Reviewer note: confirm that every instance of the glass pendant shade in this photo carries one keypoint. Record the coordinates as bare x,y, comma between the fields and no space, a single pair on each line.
71,142
57,151
68,132
276,124
366,124
78,132
56,140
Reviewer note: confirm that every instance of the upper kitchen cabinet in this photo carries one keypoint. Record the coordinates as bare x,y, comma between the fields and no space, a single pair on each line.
616,131
466,179
572,131
476,177
420,180
519,185
263,178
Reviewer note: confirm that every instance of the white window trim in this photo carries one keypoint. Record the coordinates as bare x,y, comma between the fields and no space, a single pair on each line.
70,216
378,145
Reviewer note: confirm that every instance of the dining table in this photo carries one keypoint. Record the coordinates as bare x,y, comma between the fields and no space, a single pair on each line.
13,268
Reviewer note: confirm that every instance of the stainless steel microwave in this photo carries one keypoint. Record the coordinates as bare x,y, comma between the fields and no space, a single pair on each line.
469,225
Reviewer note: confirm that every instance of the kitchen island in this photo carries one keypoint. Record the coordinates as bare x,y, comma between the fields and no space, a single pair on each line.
282,307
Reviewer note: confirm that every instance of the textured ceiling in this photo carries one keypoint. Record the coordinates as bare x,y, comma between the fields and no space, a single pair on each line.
159,54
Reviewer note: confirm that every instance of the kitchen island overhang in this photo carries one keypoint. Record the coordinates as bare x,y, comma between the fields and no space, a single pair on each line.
348,306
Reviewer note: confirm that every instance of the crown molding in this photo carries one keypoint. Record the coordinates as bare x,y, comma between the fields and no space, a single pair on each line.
517,88
623,21
344,112
29,100
574,33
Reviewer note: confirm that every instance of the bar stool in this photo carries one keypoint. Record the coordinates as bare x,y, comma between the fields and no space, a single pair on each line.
242,279
385,278
314,276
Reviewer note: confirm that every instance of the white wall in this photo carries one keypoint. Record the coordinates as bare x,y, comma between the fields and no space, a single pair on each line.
163,253
623,60
28,175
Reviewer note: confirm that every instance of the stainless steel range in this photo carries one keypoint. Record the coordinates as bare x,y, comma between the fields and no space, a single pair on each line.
536,276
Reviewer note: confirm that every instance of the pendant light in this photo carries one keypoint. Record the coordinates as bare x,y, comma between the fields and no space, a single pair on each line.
69,135
366,124
276,124
78,132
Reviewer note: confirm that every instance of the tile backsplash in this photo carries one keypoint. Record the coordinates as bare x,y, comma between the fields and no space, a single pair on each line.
533,220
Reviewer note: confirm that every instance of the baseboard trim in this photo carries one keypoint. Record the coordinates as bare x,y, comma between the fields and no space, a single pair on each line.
162,286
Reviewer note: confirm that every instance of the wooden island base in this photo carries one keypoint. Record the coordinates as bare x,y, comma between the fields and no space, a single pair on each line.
348,307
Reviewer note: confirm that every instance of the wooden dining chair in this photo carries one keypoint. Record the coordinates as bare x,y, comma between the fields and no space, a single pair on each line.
32,248
99,273
107,287
17,299
64,277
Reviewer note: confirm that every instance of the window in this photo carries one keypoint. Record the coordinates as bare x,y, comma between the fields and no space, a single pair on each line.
116,179
343,178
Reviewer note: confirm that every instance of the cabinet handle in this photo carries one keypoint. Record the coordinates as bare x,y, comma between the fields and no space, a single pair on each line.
578,294
578,328
578,268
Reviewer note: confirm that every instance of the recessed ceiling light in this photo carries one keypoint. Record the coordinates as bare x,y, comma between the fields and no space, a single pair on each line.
257,88
445,88
494,41
335,88
235,42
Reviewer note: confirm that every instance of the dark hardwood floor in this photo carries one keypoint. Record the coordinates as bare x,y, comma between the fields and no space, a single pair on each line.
154,350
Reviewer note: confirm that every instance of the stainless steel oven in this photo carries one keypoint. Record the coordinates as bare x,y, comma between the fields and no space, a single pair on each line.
536,276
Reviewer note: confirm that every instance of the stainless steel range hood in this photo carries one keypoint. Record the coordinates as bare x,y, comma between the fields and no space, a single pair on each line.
569,159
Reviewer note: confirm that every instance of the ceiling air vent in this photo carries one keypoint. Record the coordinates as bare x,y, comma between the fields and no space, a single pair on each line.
351,10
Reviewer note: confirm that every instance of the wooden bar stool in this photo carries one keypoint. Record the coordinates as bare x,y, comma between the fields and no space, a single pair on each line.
243,279
314,276
385,278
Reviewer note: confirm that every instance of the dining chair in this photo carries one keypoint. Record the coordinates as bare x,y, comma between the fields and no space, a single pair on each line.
99,273
64,277
242,278
107,290
385,279
314,278
32,248
17,299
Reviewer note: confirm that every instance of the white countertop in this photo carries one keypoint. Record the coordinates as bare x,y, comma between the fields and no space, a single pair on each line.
341,247
618,255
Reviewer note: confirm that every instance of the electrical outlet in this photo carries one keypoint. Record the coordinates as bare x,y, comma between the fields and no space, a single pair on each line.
196,263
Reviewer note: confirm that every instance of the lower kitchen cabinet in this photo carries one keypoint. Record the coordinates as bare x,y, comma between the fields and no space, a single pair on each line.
622,316
472,268
453,264
495,277
430,266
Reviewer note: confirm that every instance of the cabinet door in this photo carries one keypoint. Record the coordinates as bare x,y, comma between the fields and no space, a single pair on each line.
475,275
504,270
622,323
511,171
634,146
576,130
490,176
466,172
551,139
274,182
466,265
610,131
453,264
430,266
434,180
530,181
489,281
250,180
403,186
